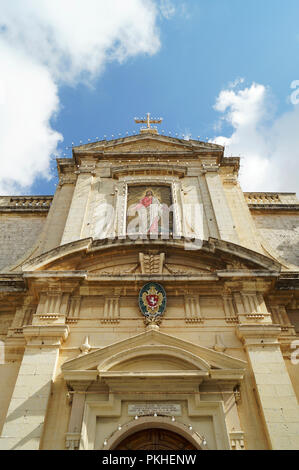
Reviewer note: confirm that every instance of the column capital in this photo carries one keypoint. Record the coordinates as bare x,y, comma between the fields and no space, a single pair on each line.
45,335
80,380
72,440
258,335
237,440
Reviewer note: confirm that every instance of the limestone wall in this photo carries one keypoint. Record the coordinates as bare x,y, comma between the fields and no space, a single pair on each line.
9,374
279,232
18,234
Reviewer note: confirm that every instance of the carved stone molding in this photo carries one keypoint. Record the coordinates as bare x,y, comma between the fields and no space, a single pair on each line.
73,309
111,310
256,335
45,336
149,169
229,309
72,440
23,317
151,263
237,440
219,343
67,178
52,307
251,306
281,318
192,309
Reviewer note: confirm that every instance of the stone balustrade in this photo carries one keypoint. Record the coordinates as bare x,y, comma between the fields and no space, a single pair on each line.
266,199
13,203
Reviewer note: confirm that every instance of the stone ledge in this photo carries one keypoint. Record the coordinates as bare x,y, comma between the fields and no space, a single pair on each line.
46,335
285,207
258,335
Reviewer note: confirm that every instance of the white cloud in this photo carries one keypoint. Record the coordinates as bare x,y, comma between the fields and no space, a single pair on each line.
44,43
267,143
28,99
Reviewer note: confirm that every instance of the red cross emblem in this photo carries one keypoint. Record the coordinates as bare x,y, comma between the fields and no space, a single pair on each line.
152,300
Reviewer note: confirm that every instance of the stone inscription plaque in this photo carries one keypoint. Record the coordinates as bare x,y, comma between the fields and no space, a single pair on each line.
143,409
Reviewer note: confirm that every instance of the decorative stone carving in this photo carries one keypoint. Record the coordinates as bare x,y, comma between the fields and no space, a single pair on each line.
251,306
111,310
280,317
237,440
236,265
192,309
173,269
229,309
52,307
67,178
88,166
85,347
23,317
74,309
72,440
151,263
219,344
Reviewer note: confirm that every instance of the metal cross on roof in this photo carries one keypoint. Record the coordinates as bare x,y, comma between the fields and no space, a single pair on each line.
148,121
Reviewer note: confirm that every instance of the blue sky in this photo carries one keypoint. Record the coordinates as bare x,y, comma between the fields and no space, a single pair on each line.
248,50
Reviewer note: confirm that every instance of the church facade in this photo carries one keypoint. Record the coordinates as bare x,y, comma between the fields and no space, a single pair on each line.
149,304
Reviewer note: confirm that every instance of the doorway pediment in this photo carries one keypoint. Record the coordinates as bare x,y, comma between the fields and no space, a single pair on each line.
121,363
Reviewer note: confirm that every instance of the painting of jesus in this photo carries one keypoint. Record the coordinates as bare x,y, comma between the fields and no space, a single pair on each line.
152,205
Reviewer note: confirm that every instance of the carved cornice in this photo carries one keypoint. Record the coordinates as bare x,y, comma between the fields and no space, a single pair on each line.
149,169
10,283
253,335
45,335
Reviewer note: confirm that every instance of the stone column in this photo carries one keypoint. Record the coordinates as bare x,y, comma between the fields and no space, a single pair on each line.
79,205
274,389
225,223
24,423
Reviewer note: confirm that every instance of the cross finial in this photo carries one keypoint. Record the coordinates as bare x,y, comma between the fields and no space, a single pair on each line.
148,121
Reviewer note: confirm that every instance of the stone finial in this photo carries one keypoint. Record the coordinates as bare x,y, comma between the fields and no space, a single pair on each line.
219,345
85,347
152,326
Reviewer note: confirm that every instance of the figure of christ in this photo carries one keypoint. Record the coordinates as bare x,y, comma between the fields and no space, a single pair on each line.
152,206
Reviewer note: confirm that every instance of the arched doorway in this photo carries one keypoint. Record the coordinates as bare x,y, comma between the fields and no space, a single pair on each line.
155,439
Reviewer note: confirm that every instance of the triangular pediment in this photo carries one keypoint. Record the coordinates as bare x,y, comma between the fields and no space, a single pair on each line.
147,143
153,344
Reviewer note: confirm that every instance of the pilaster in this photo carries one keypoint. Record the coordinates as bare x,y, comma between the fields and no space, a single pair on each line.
73,436
79,205
225,223
24,423
230,399
274,389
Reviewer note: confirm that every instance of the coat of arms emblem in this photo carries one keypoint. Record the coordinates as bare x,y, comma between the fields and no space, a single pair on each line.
152,302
